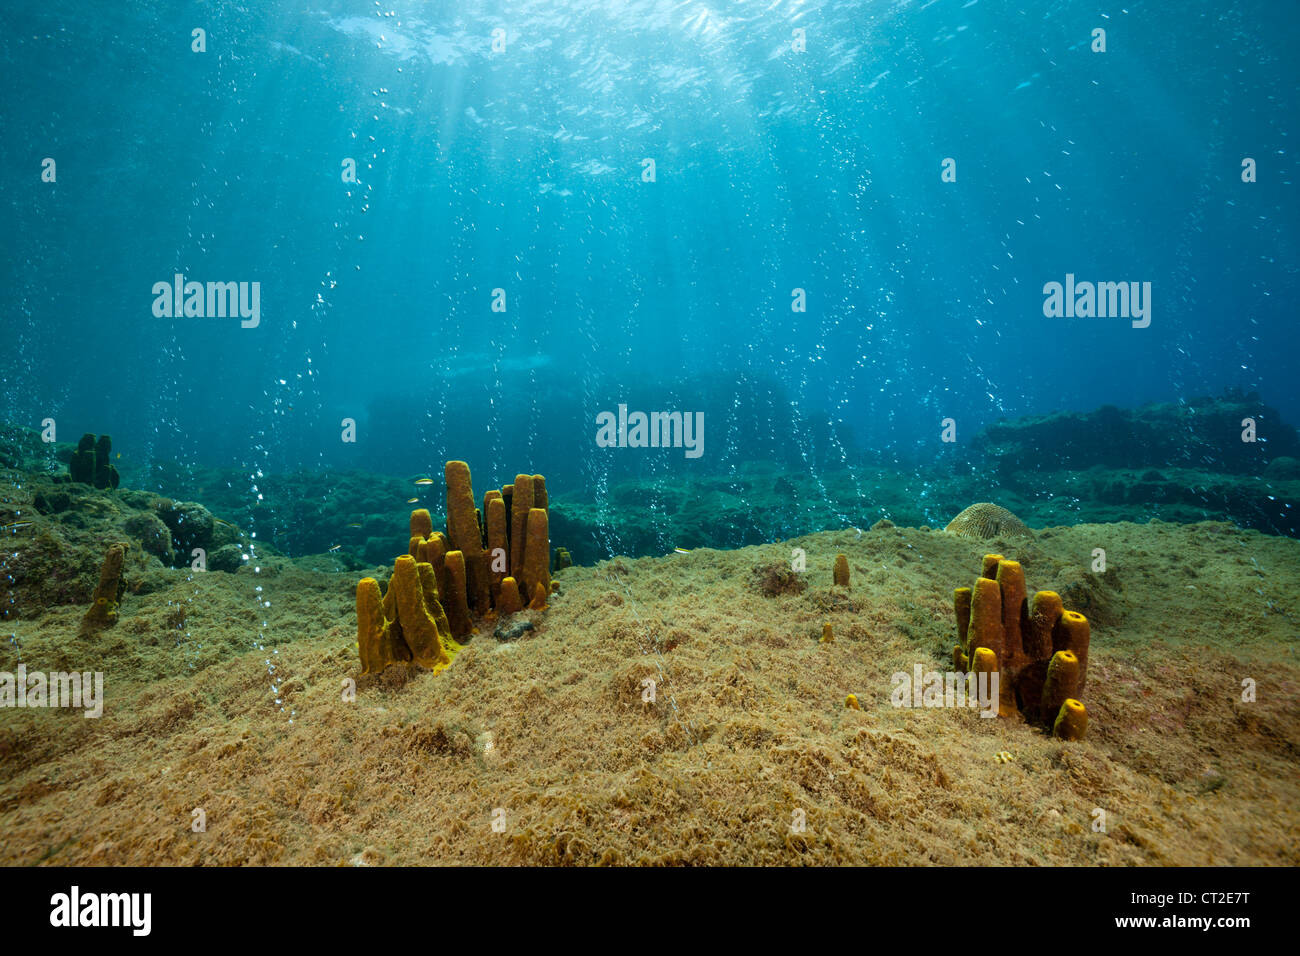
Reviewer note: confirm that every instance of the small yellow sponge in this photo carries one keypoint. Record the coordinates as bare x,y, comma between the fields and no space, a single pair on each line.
989,568
372,629
1061,684
1071,721
421,523
1072,633
509,602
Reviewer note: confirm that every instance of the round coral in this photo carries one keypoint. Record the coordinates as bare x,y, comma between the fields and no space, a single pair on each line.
987,520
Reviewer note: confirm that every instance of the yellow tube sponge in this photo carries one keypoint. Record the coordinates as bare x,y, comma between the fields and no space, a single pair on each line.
538,603
841,570
421,523
466,537
990,567
436,550
1011,581
455,603
419,629
1072,633
1044,611
984,660
851,702
986,616
1061,684
539,492
498,545
509,601
462,523
432,597
828,633
1071,721
537,552
961,608
108,593
429,587
520,504
372,628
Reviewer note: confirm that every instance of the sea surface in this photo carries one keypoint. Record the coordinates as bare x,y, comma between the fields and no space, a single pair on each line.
474,228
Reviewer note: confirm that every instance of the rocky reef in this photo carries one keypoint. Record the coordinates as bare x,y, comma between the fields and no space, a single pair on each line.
1202,433
355,516
56,533
1185,462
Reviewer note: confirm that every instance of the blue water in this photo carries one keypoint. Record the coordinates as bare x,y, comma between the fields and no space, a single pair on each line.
522,169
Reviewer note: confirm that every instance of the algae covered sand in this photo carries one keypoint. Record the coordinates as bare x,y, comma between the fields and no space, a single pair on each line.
228,716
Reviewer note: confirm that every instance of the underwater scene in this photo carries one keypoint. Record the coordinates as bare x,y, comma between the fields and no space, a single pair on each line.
650,432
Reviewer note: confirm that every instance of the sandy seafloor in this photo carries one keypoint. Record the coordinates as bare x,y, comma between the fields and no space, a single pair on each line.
748,726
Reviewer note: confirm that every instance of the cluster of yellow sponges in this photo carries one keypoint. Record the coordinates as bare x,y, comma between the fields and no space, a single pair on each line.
481,567
1038,649
406,624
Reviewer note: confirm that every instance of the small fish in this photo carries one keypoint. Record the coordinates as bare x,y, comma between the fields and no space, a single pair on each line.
682,550
354,524
16,525
411,501
119,455
336,547
424,481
